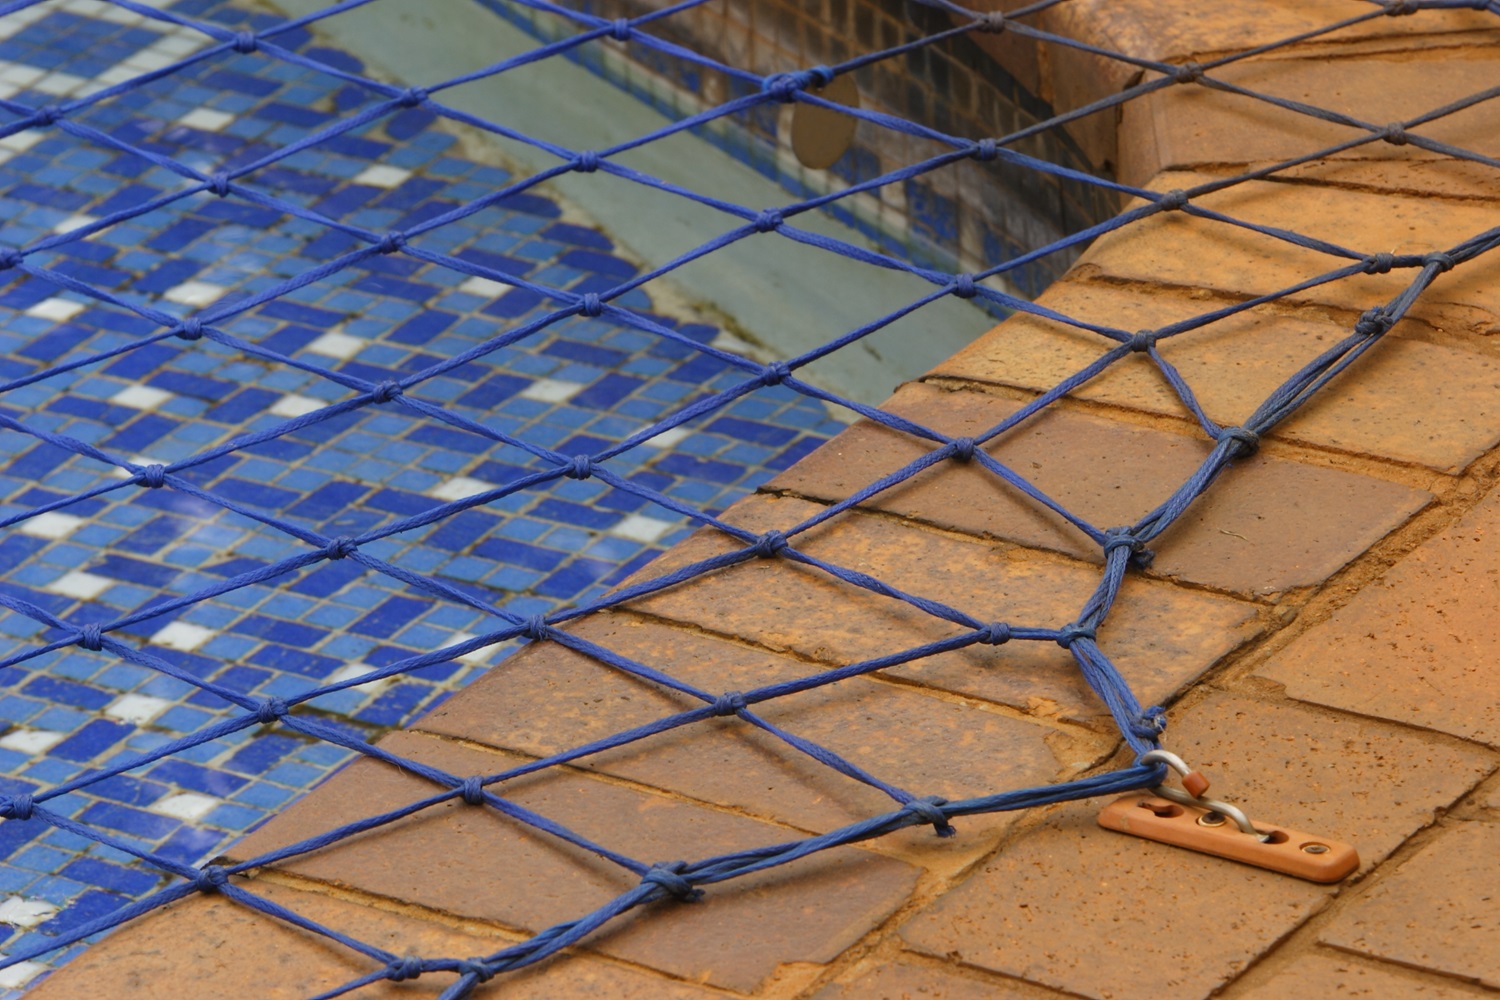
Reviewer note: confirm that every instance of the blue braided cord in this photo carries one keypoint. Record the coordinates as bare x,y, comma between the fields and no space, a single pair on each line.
1122,547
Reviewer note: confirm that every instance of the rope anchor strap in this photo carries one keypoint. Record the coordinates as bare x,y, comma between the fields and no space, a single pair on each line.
1186,818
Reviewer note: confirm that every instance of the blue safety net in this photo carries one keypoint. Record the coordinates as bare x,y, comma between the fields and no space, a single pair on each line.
323,546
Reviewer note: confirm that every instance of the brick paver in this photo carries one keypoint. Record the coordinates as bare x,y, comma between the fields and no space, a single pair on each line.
905,979
1301,522
1330,974
473,863
1104,915
1235,363
1416,645
929,746
1439,911
1165,638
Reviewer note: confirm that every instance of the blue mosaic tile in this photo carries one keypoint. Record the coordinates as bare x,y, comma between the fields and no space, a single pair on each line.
172,400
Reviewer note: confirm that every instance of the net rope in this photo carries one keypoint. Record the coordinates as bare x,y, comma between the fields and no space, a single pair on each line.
1124,548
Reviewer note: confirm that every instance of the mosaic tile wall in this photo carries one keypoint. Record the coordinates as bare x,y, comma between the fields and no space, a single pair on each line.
965,218
572,387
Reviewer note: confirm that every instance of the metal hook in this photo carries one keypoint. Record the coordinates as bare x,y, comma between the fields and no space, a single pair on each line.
1177,764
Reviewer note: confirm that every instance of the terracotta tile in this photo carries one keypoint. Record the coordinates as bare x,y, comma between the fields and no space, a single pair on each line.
1416,645
474,863
908,980
1404,400
210,948
1437,911
1268,525
1361,781
1329,974
1159,636
1175,248
1098,914
1172,30
548,699
1201,126
1104,915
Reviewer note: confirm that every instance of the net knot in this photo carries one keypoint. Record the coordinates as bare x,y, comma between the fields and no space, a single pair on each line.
1245,440
1069,634
536,628
340,548
211,878
587,162
1173,200
47,115
620,30
153,477
768,221
1142,341
729,703
478,968
18,806
91,637
270,711
1396,8
1151,723
930,811
993,21
245,42
403,969
964,286
995,634
386,391
217,183
590,305
1443,262
411,97
473,791
784,86
961,449
1188,72
775,373
1121,538
986,150
667,875
191,329
1394,134
1373,322
391,242
10,257
581,467
769,544
1380,263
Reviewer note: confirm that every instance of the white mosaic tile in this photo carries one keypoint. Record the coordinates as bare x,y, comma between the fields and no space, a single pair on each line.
183,636
20,74
80,585
293,405
137,708
337,345
60,310
194,293
459,487
352,670
180,43
22,141
73,222
51,524
31,741
484,287
18,911
205,119
186,805
381,175
141,397
20,974
148,59
61,84
551,390
640,528
669,438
